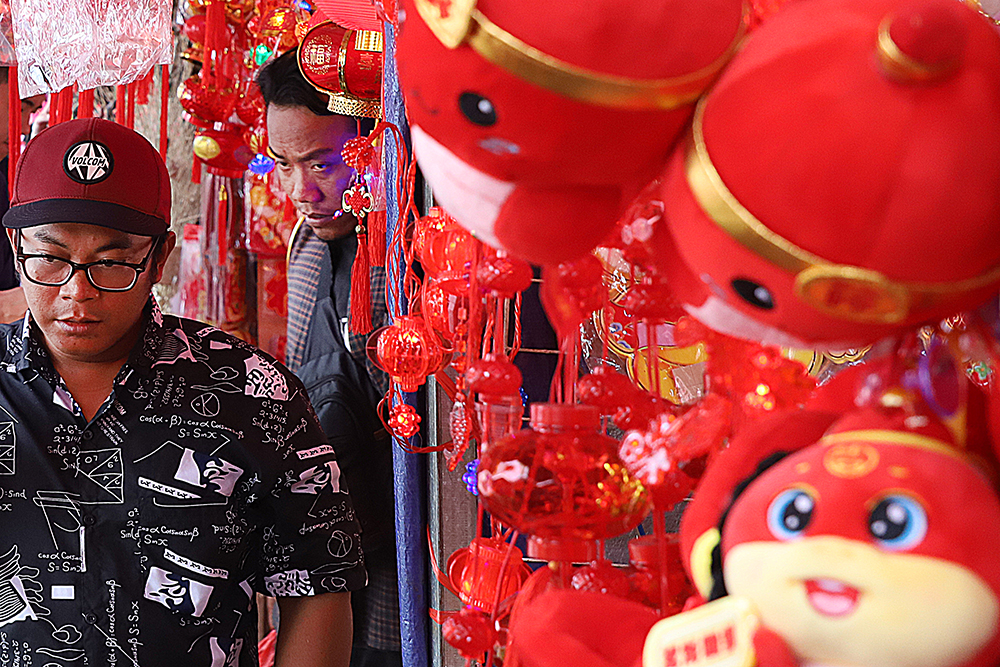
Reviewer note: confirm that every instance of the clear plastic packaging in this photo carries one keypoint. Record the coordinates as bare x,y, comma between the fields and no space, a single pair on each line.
88,42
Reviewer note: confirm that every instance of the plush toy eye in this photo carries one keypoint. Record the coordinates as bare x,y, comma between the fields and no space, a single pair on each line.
898,522
790,513
754,294
477,109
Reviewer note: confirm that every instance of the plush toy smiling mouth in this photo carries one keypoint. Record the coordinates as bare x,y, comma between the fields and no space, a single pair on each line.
831,597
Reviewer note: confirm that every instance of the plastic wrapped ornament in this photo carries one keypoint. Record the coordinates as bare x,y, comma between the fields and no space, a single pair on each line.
561,481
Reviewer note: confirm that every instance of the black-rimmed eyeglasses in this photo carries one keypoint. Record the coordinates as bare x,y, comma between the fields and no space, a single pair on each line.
107,275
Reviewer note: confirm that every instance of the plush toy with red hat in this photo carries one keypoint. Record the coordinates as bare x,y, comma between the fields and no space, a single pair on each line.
841,181
535,124
874,545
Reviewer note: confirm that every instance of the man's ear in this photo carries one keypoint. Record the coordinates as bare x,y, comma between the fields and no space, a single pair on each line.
162,253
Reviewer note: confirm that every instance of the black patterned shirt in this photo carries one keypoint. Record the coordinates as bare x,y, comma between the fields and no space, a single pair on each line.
140,538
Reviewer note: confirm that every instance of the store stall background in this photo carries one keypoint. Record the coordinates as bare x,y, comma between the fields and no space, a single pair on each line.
647,392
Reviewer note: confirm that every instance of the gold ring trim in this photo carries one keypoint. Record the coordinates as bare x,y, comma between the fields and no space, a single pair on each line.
729,214
902,67
466,24
889,437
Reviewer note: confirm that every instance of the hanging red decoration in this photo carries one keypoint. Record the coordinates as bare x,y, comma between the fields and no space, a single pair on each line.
561,481
404,420
407,352
570,292
493,376
503,275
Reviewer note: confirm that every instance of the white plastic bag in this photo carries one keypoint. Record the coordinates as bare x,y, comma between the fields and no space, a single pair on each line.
88,42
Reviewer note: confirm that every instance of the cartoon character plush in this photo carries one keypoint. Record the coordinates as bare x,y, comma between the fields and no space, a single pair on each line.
536,124
875,545
841,180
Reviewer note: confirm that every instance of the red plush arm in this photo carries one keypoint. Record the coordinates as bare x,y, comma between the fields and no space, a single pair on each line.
772,650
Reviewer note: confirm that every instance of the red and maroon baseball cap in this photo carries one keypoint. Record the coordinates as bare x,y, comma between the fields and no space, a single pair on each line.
92,171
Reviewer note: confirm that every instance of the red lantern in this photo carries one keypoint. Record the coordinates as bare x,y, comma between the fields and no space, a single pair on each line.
493,376
484,568
561,481
436,220
407,352
448,256
571,291
503,275
205,104
444,312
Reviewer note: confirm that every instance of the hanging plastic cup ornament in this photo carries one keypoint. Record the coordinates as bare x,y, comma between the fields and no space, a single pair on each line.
407,352
561,481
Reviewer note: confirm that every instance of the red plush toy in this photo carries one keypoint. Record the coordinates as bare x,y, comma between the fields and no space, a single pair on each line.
841,181
874,546
535,124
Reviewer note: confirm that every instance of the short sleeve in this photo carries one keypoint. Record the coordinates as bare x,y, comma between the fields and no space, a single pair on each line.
310,537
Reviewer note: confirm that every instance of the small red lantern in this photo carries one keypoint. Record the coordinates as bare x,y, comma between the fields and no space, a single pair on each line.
561,481
444,312
436,220
407,352
448,256
503,275
493,376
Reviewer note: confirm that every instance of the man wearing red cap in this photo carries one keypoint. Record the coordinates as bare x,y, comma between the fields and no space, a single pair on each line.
154,471
306,140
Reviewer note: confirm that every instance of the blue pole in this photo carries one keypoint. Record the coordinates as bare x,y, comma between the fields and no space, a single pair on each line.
408,469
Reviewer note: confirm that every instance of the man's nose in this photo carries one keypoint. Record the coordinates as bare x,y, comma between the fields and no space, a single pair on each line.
79,288
304,187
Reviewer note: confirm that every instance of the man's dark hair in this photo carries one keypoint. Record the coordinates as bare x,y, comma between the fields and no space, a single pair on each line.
281,83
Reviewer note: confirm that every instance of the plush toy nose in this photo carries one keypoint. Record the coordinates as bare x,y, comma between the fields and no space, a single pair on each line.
923,41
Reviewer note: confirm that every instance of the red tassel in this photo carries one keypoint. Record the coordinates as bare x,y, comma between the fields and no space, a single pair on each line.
85,108
195,169
164,95
376,247
120,105
361,289
67,101
130,107
13,126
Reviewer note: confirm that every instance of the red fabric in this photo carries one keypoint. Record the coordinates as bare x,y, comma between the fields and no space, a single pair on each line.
785,431
772,650
570,627
828,152
574,165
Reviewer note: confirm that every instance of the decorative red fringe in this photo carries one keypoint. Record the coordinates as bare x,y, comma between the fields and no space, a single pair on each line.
85,104
376,248
361,289
13,126
164,96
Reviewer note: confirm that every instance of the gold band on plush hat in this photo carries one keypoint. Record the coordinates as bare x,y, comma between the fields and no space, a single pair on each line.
459,22
826,286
